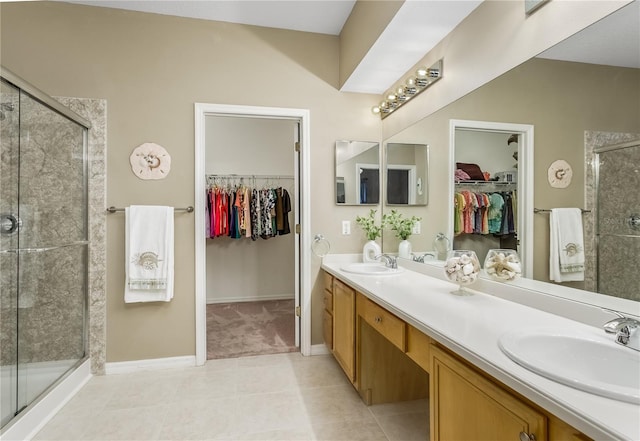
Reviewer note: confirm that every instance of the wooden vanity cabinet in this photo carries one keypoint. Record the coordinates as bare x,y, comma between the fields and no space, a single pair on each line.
467,406
344,328
387,360
327,313
561,431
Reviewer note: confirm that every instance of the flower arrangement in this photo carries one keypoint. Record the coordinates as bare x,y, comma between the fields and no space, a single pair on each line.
368,224
403,227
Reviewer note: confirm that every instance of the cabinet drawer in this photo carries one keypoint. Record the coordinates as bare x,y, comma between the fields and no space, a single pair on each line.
387,324
328,281
328,301
419,347
327,329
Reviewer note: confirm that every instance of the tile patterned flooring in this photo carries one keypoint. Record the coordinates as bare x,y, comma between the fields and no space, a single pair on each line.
267,397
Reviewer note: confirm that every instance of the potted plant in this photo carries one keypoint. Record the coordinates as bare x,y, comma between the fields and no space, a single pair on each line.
403,227
373,230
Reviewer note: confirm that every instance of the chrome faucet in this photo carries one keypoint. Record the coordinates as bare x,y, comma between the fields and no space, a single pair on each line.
389,261
625,329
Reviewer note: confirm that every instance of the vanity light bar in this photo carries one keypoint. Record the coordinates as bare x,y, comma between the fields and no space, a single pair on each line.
423,79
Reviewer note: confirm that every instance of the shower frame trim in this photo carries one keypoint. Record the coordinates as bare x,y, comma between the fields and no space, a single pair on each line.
42,97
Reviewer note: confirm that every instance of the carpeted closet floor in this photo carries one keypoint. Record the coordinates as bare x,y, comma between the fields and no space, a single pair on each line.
250,328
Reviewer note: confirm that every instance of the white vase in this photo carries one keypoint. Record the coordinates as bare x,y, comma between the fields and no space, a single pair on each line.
404,249
370,250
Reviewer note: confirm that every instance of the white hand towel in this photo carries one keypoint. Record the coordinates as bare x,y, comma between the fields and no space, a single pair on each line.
148,254
566,257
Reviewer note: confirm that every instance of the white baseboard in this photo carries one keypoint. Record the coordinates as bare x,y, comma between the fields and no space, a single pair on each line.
320,349
125,367
234,299
33,419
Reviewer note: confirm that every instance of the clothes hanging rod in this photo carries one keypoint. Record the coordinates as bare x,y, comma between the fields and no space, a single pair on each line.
188,209
544,210
251,176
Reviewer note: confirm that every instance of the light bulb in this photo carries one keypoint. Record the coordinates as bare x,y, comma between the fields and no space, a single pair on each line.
401,95
375,110
421,77
411,88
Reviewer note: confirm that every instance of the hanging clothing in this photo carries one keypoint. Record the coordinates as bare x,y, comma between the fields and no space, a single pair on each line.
283,216
484,213
243,212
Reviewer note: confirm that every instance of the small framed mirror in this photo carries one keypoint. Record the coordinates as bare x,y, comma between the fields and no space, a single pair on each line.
407,174
357,173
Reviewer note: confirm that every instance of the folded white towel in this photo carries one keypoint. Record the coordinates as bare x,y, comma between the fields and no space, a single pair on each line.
148,254
566,245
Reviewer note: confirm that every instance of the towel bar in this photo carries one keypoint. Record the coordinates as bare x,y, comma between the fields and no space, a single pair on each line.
189,209
544,210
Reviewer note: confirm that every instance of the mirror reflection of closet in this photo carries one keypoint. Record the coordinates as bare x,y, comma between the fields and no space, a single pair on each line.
486,171
357,173
407,173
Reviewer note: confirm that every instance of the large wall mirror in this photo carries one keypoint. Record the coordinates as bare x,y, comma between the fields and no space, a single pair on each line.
406,174
579,95
357,173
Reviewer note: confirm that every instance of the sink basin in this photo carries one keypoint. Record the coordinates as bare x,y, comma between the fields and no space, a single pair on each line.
372,269
585,362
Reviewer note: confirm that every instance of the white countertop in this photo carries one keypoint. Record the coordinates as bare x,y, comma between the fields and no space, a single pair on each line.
470,326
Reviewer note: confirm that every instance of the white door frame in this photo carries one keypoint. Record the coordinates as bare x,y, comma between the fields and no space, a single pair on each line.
525,181
303,115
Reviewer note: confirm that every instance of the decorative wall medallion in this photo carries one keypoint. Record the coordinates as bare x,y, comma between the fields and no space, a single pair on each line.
150,161
559,174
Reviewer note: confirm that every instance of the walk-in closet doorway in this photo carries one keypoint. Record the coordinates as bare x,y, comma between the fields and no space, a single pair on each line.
477,142
252,283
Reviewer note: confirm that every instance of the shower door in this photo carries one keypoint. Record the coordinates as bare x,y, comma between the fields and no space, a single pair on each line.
618,177
43,247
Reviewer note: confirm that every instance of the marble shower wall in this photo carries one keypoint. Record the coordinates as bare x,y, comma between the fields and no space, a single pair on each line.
95,111
51,304
611,261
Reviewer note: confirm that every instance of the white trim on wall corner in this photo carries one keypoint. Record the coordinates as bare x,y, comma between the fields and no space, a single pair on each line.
151,364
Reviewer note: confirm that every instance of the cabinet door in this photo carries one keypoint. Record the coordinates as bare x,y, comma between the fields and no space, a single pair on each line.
344,310
466,406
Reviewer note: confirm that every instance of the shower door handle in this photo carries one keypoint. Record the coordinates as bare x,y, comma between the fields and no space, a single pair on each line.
634,221
9,224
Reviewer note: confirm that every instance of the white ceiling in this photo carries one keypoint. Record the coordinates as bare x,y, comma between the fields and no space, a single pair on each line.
613,41
417,27
321,16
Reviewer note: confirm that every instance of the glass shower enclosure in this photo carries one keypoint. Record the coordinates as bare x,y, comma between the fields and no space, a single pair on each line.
43,244
618,219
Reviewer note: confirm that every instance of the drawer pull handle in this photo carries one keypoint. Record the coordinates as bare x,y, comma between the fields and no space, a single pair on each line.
524,436
378,319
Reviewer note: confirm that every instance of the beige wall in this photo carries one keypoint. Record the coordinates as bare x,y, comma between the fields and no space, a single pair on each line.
151,69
